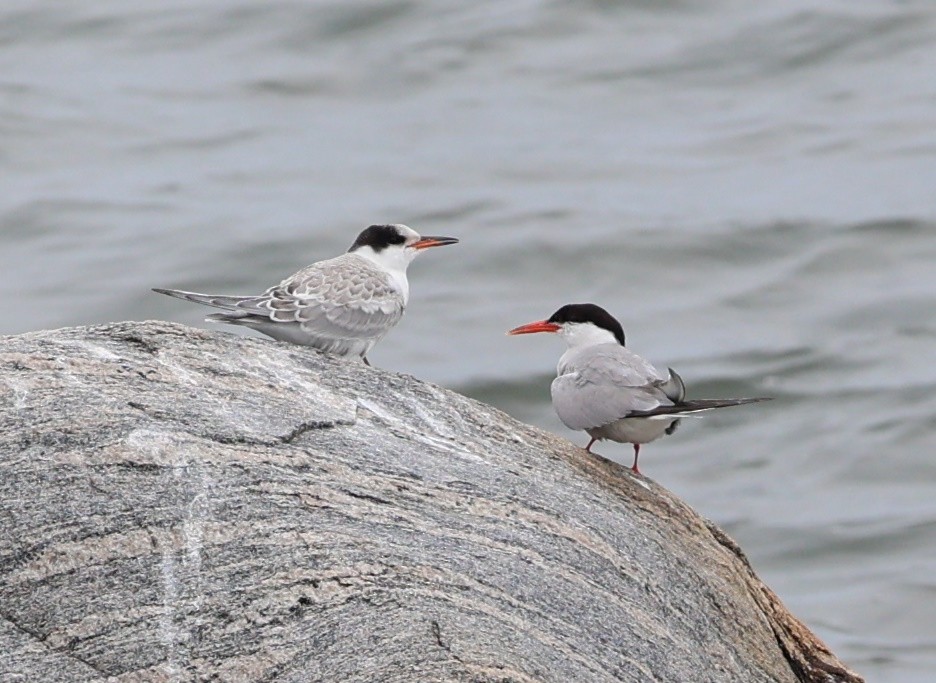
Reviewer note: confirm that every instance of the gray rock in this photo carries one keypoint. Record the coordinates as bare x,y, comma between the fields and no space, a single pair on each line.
180,505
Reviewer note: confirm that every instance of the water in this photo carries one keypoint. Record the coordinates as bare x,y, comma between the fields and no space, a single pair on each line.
750,187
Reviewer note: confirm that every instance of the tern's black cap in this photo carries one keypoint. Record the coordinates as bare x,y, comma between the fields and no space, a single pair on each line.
589,313
379,237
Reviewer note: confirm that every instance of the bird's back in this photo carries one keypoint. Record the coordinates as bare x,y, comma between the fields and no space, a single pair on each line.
346,280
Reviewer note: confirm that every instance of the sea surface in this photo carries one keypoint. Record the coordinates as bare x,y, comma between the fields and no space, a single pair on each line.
749,186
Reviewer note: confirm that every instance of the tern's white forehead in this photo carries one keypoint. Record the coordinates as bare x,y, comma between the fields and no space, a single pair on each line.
407,232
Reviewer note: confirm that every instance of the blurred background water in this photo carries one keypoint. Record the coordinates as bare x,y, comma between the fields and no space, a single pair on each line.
749,186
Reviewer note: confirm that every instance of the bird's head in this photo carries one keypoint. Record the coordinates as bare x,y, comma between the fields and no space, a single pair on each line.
394,245
579,325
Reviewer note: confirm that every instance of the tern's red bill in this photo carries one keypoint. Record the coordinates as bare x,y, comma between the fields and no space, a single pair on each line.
538,326
434,241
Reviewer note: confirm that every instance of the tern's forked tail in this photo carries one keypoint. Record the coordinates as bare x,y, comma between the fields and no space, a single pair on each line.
695,406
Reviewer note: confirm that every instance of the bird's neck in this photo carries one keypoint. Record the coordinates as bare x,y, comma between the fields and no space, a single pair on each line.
585,334
394,262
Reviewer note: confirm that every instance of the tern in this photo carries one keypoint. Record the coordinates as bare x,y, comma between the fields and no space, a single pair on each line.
608,391
343,305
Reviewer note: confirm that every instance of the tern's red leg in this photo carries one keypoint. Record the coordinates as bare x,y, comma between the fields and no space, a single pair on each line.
636,455
588,447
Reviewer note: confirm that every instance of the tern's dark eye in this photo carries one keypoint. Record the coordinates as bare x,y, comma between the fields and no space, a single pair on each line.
395,238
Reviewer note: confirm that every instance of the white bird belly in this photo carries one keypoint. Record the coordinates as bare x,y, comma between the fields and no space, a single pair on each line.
294,334
634,430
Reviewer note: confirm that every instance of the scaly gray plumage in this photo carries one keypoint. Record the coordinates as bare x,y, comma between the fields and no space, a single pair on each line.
343,306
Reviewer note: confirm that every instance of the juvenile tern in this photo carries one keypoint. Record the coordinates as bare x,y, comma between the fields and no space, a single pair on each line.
342,306
607,390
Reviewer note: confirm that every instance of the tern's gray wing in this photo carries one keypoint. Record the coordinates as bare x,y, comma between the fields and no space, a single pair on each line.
602,384
346,297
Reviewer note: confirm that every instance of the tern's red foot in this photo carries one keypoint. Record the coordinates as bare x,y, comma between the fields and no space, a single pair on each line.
636,455
588,447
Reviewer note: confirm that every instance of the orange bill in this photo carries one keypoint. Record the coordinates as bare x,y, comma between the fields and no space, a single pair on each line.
538,326
434,241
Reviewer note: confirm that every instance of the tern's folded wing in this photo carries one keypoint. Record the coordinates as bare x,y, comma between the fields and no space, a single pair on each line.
587,406
606,385
340,298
